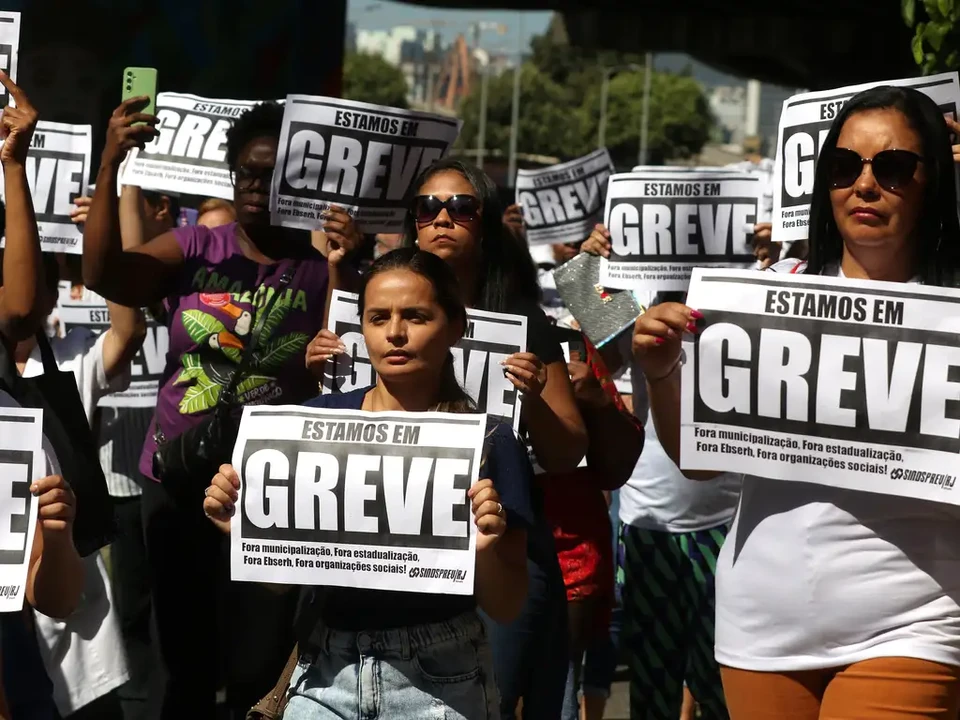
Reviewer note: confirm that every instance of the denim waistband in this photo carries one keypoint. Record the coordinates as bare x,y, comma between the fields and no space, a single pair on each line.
402,642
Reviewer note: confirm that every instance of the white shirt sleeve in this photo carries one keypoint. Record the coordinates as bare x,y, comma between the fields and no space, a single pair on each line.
81,352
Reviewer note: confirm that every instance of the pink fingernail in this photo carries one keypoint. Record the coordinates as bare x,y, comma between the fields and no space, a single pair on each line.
691,327
659,341
696,314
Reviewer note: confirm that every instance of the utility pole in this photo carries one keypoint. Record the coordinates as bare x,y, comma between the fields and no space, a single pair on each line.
515,107
645,114
482,129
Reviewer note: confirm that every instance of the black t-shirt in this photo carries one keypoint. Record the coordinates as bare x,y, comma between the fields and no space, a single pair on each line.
541,338
352,609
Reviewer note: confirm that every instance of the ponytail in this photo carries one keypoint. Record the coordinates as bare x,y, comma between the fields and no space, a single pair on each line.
453,399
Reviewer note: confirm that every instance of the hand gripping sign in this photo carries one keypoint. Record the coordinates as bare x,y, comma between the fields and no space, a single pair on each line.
663,224
22,461
488,339
848,383
804,123
356,499
364,158
562,203
189,156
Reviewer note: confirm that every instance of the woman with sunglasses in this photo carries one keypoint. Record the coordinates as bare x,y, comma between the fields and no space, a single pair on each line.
215,282
457,215
834,603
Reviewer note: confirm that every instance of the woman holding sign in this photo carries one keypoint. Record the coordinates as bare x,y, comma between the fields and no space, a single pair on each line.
834,603
244,299
419,655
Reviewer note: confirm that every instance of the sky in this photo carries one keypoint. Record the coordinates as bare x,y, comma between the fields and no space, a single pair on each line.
383,15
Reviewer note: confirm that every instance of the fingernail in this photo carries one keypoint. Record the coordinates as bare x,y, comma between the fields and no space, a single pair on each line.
691,327
34,489
229,507
659,341
696,314
342,347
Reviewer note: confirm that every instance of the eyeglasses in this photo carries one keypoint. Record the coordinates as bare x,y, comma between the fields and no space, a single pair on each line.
893,169
461,208
245,177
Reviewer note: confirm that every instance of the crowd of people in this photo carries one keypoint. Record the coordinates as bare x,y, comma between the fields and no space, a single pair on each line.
724,595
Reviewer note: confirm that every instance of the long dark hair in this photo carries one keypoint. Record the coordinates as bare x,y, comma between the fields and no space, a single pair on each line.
446,291
507,272
938,236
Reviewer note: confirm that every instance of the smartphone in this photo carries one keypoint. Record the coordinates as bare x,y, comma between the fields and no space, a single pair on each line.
139,81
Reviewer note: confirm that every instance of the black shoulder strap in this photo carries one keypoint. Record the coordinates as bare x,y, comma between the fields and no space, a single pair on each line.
46,354
227,396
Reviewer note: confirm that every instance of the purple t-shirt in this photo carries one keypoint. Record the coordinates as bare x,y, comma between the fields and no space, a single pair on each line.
211,315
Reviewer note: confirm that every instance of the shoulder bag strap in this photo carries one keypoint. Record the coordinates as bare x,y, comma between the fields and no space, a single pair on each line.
46,354
227,396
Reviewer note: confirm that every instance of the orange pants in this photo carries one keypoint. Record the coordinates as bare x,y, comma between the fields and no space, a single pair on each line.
879,689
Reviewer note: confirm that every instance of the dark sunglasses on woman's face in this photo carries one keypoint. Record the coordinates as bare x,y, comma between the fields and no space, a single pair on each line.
461,208
893,169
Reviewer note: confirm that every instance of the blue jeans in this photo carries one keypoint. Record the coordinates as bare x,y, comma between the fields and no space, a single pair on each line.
441,671
531,653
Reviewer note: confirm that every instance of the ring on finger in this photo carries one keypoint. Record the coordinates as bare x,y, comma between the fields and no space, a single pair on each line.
499,510
206,492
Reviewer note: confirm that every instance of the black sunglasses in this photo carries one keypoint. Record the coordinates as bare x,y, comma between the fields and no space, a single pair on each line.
461,208
245,177
893,169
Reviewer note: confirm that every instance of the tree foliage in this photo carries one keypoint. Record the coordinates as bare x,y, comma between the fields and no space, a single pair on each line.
370,78
936,33
560,107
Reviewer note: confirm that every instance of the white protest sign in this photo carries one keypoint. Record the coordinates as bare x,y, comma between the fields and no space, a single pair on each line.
356,499
190,154
58,171
489,338
804,124
664,224
90,310
562,203
22,461
9,50
364,158
848,383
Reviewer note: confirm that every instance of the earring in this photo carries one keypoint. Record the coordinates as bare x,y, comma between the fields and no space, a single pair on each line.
417,242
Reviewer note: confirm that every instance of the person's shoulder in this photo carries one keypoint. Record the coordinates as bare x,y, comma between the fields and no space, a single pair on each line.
790,266
352,400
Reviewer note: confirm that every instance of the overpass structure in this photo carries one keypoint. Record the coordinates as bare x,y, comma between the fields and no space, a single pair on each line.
796,43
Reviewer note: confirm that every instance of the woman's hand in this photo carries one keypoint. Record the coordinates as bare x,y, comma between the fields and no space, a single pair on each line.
656,338
954,127
79,214
323,347
16,125
220,498
341,232
488,514
57,506
526,372
586,388
123,135
598,243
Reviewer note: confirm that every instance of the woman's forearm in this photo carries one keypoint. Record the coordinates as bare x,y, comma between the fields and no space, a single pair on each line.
559,442
501,582
55,581
20,313
615,442
102,242
664,397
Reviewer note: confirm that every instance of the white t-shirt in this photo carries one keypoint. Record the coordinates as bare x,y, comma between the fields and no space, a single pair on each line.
814,577
658,496
83,654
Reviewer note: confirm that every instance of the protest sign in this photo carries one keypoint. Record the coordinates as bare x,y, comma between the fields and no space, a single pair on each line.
9,50
58,171
87,309
364,158
847,383
562,203
804,124
21,463
356,499
190,154
662,225
488,339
